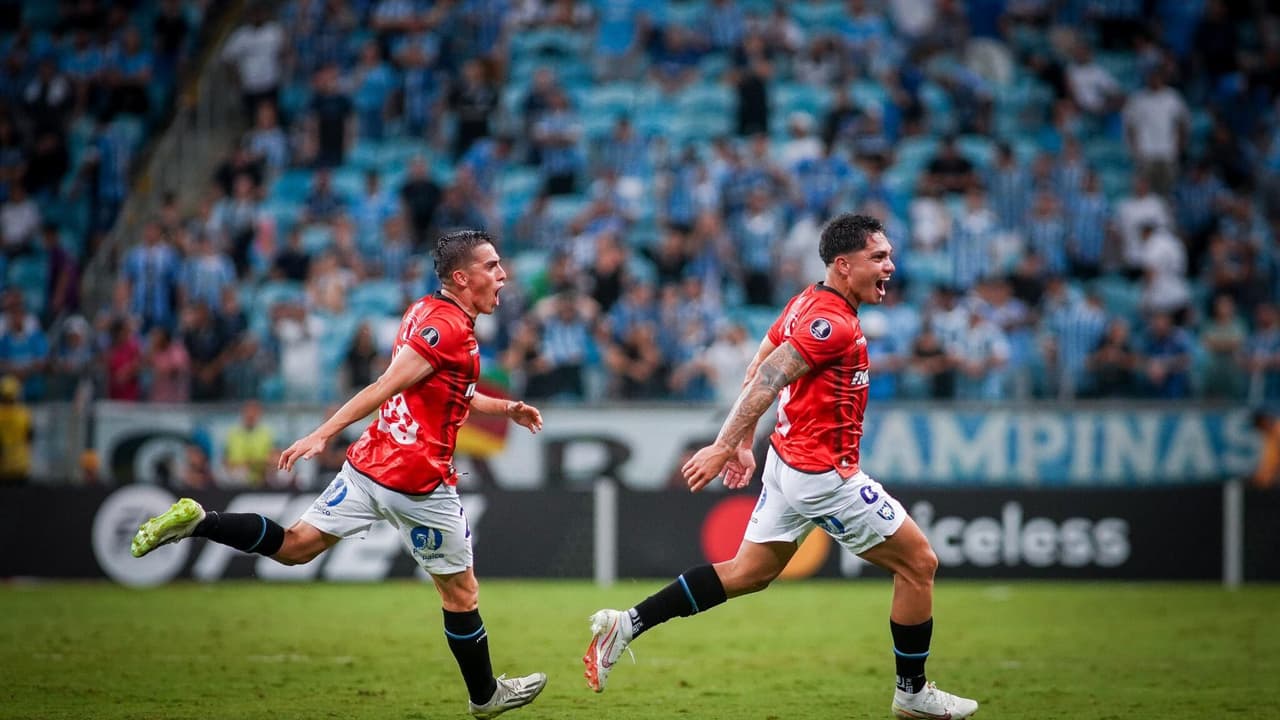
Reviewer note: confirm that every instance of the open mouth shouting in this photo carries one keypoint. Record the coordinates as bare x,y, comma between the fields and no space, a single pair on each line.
882,284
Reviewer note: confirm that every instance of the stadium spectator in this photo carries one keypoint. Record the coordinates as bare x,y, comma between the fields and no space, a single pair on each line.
420,196
1223,338
1093,88
16,433
249,447
931,369
472,101
752,70
555,135
167,368
363,361
1089,230
1114,363
256,49
72,360
292,262
372,82
267,142
1165,287
980,356
331,120
205,345
1262,354
24,348
1156,124
62,294
637,364
949,170
19,222
123,363
1166,359
1142,207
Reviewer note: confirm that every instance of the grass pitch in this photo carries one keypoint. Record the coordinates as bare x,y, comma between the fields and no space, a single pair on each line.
798,650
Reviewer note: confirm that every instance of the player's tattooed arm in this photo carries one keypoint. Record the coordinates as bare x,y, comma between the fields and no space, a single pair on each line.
779,370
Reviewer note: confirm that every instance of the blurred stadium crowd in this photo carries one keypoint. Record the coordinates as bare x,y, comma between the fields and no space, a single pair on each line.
1084,195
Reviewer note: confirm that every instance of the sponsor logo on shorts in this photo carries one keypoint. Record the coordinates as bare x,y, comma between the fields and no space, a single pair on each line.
334,494
425,539
820,328
861,377
431,335
831,524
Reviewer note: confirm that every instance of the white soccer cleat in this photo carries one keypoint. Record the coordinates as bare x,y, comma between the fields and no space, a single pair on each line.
611,633
178,522
932,704
510,694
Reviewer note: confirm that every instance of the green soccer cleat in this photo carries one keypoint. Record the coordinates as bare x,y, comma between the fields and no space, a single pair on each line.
169,526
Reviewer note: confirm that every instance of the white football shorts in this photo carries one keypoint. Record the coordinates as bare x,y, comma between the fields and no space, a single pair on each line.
433,527
858,513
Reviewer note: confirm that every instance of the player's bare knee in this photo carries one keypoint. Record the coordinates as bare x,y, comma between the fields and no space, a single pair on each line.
921,566
295,550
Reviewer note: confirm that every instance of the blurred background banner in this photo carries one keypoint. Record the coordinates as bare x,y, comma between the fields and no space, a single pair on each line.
643,447
1156,533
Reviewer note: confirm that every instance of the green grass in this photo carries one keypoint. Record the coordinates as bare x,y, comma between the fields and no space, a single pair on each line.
813,649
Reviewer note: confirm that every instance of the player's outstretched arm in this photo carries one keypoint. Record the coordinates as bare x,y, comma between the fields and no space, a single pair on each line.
779,370
520,412
742,465
407,368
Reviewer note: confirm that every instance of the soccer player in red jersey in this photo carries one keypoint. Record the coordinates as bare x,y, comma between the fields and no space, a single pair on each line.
814,363
401,469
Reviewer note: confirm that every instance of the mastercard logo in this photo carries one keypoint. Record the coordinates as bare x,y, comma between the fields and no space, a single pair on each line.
727,520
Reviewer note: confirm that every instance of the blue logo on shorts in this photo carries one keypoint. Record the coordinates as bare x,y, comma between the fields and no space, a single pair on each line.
335,493
760,503
426,539
831,524
886,511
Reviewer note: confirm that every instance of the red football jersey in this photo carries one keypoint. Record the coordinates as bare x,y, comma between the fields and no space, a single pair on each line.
409,446
820,414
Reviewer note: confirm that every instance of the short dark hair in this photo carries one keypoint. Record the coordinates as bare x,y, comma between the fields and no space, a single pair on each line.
454,249
845,234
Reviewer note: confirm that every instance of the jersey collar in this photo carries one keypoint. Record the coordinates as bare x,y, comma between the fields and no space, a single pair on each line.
823,286
441,296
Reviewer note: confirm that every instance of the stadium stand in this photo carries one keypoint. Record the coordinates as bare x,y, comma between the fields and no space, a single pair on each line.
1043,176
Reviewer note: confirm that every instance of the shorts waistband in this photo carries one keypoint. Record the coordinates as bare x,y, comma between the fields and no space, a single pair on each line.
443,487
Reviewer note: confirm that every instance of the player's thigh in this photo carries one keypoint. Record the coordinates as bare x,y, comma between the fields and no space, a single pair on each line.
858,513
346,507
774,519
432,527
906,552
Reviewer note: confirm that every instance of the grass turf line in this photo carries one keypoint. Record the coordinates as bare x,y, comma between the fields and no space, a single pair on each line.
812,649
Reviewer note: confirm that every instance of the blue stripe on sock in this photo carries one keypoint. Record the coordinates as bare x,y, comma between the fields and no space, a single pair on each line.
465,637
911,656
693,603
260,535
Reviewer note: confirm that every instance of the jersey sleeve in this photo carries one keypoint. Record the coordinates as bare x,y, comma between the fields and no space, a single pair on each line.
775,334
822,337
438,340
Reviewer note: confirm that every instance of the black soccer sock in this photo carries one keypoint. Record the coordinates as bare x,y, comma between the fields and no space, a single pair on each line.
246,532
697,590
910,650
470,645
